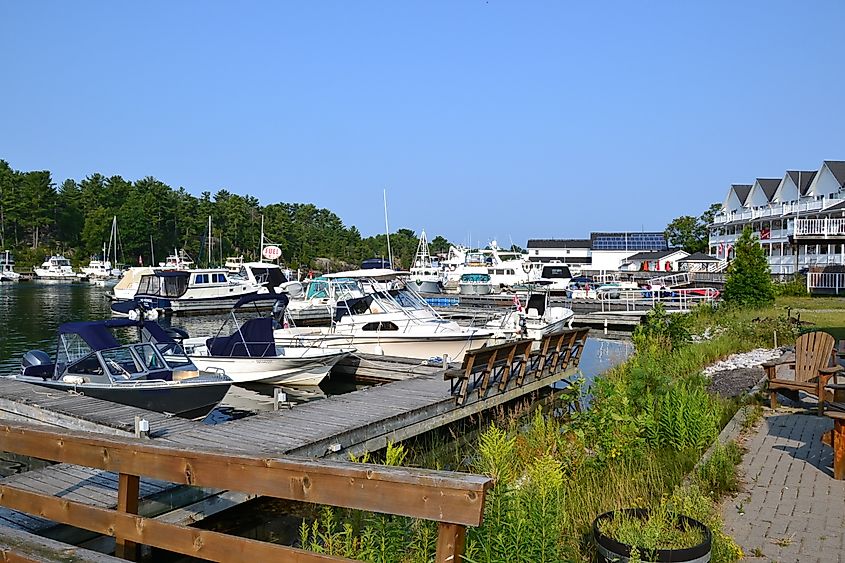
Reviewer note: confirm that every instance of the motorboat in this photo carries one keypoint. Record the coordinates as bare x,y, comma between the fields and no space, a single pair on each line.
98,269
152,373
271,276
616,289
56,268
505,268
581,287
179,260
475,284
7,267
536,320
250,354
127,287
425,276
394,321
555,276
188,291
234,263
316,306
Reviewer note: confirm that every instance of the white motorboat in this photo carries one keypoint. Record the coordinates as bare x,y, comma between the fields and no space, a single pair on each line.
7,268
179,260
536,321
395,322
56,268
98,270
505,268
425,276
126,288
250,354
188,291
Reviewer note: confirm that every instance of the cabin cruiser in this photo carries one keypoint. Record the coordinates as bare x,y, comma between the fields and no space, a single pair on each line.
271,276
316,306
152,374
475,284
126,288
555,277
7,267
425,276
395,322
188,291
250,354
179,260
536,321
505,268
56,268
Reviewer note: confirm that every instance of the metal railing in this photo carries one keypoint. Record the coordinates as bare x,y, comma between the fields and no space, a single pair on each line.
778,210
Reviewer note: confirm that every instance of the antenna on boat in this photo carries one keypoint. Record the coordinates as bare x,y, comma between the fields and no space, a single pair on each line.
387,231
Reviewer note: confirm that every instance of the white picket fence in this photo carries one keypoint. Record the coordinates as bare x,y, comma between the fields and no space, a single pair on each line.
820,282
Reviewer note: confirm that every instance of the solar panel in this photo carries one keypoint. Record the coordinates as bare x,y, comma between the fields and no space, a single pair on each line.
630,241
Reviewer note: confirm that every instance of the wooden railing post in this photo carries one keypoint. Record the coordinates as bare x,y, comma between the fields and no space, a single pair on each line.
127,501
451,541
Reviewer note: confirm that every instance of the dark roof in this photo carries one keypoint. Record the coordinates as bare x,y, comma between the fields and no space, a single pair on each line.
806,177
637,240
769,185
837,167
839,206
643,256
699,257
266,297
741,191
564,259
559,243
97,334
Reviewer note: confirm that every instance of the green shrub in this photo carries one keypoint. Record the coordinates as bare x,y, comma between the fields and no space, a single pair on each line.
718,475
749,281
797,287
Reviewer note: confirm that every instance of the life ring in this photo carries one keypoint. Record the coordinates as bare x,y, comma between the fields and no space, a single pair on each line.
526,267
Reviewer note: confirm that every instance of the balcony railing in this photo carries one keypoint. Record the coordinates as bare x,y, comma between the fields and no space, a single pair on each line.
827,227
779,209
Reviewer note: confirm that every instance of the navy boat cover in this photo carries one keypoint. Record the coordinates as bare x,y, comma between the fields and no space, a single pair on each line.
254,339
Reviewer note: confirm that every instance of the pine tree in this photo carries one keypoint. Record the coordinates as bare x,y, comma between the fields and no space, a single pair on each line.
749,281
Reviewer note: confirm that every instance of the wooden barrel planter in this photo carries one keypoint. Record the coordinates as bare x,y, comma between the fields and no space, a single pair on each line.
614,551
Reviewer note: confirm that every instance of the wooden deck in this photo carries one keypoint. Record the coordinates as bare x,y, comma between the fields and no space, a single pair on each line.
417,401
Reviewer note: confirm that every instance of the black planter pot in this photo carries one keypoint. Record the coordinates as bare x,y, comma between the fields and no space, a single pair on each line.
614,551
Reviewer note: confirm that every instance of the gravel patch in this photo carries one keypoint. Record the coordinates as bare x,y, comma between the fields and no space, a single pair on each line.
738,373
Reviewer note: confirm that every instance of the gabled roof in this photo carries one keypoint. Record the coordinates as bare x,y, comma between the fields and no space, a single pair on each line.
559,243
769,185
837,168
699,257
659,255
806,177
741,191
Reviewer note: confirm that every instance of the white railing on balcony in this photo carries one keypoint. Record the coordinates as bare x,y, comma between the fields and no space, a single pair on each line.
827,227
779,209
825,282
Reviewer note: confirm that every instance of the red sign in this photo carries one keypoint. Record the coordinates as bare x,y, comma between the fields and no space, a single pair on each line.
271,252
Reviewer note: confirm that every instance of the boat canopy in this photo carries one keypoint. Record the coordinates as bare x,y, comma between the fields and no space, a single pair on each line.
380,274
262,297
98,336
253,339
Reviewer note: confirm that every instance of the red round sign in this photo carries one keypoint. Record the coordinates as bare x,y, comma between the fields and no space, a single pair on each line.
271,252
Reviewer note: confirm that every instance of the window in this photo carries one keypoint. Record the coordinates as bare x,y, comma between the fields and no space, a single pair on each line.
386,325
89,365
201,278
120,362
148,355
218,278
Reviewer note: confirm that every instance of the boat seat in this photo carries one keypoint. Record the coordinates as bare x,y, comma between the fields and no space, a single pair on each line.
532,312
254,339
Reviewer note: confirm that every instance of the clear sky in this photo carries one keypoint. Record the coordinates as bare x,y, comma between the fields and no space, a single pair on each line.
512,120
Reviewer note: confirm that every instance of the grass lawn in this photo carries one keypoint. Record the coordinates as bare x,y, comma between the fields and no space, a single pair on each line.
822,313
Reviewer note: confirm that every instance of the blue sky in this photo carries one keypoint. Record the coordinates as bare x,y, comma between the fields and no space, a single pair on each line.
512,120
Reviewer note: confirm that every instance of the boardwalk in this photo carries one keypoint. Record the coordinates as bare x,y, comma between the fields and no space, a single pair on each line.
791,509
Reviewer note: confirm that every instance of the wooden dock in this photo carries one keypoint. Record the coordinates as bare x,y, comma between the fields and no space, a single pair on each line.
419,398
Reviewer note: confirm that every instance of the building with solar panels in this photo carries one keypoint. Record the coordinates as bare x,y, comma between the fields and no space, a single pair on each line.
601,252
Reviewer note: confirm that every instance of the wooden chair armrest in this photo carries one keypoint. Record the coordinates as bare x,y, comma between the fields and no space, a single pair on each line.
832,370
775,363
454,374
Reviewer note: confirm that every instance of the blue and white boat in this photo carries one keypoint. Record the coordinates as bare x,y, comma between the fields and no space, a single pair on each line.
152,374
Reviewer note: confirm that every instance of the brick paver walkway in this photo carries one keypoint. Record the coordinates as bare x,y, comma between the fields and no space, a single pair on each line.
790,509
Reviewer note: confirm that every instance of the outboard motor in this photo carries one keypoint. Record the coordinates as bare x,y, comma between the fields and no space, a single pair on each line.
37,363
279,307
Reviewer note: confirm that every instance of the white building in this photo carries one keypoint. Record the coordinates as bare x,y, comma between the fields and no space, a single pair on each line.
799,219
601,252
660,261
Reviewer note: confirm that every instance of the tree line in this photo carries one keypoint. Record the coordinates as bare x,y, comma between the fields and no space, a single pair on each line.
38,218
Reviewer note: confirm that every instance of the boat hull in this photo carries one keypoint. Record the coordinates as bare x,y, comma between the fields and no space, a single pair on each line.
283,370
192,400
425,286
475,288
395,345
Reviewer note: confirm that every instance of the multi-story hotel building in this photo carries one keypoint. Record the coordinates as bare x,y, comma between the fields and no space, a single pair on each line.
799,219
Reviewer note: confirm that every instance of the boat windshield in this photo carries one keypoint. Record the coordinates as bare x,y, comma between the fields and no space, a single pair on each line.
61,262
150,357
173,354
120,362
71,348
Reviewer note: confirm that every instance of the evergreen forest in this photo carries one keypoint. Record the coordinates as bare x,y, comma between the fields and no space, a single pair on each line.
39,218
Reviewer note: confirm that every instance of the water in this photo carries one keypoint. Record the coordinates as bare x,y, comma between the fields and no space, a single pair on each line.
30,313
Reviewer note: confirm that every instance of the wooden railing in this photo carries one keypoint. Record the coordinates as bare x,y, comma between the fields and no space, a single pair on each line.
454,500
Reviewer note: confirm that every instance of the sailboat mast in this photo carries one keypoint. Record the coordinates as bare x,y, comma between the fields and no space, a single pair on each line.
209,241
387,231
261,244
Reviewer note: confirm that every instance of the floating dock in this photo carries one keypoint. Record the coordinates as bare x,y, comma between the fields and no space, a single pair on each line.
417,399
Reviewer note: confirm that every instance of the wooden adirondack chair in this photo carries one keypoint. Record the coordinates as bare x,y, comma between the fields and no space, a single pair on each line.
814,366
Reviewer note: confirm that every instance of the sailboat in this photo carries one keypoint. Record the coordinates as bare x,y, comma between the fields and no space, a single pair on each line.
424,275
7,268
100,270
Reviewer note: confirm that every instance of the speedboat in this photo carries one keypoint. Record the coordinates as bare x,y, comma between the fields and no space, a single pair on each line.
424,274
393,322
56,268
250,354
152,374
536,321
7,268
